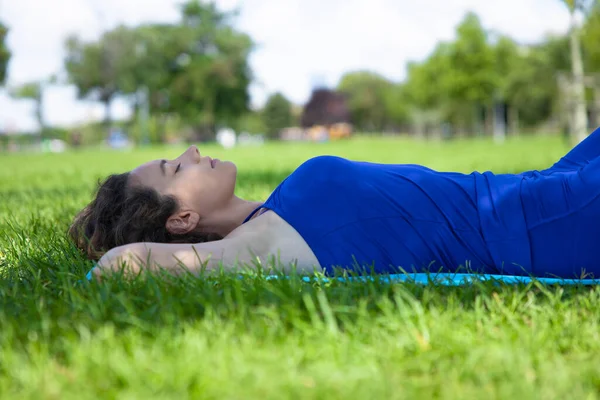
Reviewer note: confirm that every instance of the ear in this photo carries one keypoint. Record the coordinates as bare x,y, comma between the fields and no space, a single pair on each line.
182,222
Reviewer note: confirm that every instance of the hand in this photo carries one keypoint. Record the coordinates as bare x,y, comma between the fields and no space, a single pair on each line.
126,258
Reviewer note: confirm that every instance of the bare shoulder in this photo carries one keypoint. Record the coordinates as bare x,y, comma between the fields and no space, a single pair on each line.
270,235
262,238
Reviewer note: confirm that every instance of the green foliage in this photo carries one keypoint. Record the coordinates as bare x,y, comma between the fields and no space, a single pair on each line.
251,122
375,103
211,80
57,133
475,70
277,114
92,133
196,68
34,92
579,5
590,40
507,55
426,83
31,91
4,53
531,86
472,77
159,128
459,78
98,69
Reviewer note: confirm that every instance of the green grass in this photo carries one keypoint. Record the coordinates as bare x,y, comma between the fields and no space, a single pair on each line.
229,338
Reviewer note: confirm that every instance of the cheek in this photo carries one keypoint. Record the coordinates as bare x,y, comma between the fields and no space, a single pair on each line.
203,188
186,188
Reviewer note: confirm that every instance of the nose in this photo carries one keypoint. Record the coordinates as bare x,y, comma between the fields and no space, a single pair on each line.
193,150
192,154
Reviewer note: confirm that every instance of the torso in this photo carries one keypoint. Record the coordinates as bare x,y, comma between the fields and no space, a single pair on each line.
331,212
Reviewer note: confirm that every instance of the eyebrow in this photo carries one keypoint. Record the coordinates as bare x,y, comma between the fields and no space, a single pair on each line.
162,166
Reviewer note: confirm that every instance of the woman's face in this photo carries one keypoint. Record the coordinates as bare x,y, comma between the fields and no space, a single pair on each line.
199,183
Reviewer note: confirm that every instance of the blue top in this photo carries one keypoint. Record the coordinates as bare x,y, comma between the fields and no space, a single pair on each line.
408,218
404,217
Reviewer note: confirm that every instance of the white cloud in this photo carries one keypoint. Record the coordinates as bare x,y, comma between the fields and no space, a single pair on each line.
298,41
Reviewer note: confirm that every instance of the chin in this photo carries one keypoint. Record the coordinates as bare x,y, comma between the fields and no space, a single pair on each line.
228,168
229,165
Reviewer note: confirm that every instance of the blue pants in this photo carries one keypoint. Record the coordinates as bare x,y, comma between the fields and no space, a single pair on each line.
562,212
584,153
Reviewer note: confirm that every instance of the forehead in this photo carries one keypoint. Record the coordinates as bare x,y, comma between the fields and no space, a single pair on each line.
149,166
147,173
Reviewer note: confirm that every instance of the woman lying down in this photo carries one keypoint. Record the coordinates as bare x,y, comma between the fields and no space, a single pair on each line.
183,215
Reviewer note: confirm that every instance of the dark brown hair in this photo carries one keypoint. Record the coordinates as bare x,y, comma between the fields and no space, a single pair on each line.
122,214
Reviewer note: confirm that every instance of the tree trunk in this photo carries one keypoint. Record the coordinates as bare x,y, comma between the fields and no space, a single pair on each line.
162,128
499,129
419,124
596,106
476,129
579,131
107,116
39,113
142,115
513,120
488,121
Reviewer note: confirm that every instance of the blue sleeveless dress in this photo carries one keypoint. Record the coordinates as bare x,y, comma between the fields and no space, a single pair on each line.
390,218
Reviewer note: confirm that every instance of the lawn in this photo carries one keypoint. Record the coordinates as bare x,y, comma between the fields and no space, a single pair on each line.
228,338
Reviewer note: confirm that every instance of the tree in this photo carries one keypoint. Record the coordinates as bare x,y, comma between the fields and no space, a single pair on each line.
506,59
33,91
396,107
529,84
374,102
211,78
196,69
156,56
472,80
250,122
579,118
4,53
277,114
426,90
148,73
95,68
590,39
426,84
457,83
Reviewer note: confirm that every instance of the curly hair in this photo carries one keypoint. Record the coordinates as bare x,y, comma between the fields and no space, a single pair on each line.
122,214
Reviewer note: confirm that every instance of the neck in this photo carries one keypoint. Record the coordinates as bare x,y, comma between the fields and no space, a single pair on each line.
229,217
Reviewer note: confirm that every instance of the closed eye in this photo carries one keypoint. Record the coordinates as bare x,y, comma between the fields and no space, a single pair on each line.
178,166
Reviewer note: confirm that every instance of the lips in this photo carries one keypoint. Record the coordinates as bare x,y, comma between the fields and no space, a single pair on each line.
213,162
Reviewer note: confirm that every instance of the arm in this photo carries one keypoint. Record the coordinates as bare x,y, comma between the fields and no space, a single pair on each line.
260,240
179,258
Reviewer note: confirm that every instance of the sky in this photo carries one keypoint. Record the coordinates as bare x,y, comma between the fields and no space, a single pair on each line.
299,43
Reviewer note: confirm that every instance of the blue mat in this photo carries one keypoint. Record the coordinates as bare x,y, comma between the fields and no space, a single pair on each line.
449,279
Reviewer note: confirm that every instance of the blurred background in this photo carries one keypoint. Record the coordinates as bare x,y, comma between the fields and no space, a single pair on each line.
82,73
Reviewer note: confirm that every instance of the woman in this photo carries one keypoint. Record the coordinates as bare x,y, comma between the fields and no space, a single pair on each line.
183,214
